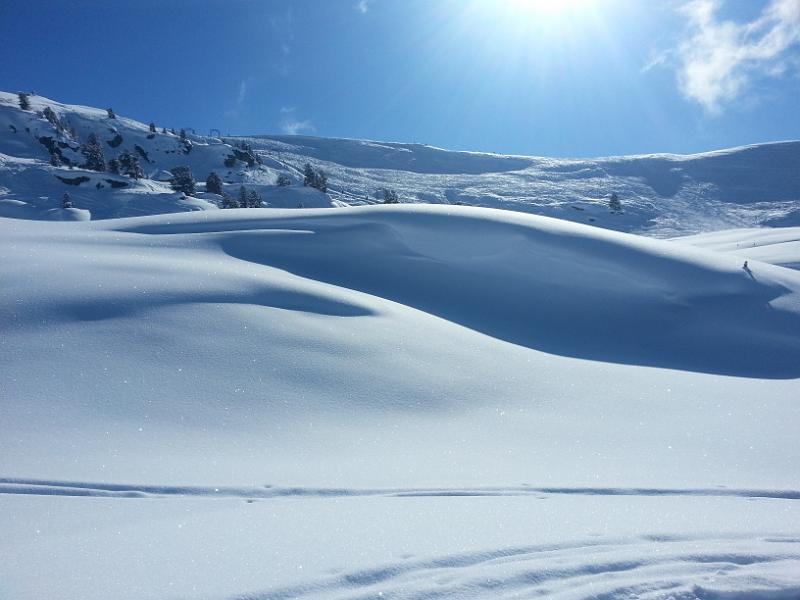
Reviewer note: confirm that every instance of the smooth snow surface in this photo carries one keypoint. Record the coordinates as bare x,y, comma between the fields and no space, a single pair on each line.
407,402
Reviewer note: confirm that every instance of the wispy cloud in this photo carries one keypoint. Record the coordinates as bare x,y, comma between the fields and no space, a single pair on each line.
291,125
282,27
241,97
362,6
719,60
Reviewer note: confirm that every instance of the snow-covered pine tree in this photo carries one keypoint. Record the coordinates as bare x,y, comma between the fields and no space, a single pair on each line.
322,181
111,114
390,196
93,151
242,197
309,175
24,100
214,184
183,180
283,180
129,165
253,199
152,127
315,178
614,204
113,166
66,201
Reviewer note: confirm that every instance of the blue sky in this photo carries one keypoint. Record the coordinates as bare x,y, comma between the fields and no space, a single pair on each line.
541,77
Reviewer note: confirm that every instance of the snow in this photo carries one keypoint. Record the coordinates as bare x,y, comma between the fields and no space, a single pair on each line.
777,246
662,195
408,401
462,547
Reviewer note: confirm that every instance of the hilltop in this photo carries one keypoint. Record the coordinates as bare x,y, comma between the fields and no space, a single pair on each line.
661,195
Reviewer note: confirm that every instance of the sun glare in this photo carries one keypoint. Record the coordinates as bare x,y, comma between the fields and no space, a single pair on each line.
544,7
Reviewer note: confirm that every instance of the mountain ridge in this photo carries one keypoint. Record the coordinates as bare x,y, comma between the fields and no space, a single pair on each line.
661,194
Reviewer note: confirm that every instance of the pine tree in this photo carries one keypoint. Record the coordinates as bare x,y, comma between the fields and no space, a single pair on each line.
253,199
183,134
214,184
113,166
229,202
129,165
242,197
183,180
55,160
111,114
322,181
315,178
24,100
66,201
614,204
390,196
164,130
49,114
93,152
283,180
152,127
309,175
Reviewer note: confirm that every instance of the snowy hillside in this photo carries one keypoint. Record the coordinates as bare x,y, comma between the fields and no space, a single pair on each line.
777,246
393,401
32,188
661,195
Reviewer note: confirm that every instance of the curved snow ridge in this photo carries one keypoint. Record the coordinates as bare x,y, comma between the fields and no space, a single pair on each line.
651,567
40,487
542,283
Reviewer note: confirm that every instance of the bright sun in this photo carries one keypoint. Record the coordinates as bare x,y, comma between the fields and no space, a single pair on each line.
544,7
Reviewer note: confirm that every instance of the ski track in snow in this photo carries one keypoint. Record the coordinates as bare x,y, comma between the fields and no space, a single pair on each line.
648,566
652,567
38,487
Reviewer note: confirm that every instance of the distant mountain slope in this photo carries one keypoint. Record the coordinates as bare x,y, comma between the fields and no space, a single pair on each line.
777,246
661,195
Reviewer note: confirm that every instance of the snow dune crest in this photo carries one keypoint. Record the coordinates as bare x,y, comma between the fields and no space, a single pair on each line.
541,283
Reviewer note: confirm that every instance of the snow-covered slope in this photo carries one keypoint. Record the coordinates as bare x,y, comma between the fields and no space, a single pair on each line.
777,246
402,401
661,195
30,187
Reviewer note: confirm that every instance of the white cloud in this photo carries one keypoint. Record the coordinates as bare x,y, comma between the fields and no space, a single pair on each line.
719,60
297,127
362,6
291,125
